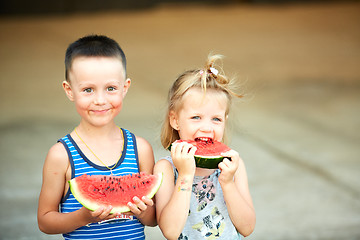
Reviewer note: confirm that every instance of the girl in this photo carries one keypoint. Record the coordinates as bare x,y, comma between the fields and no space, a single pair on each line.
197,203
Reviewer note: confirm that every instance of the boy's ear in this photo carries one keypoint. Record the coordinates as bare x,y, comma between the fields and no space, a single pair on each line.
127,84
67,88
173,120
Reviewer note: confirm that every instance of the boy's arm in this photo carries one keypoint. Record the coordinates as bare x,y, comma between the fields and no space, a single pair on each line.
50,220
144,209
234,183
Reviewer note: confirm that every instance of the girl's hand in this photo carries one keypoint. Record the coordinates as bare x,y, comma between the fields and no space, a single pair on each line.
139,206
228,166
182,155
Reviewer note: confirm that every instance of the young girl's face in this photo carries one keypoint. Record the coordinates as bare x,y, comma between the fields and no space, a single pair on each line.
97,86
201,117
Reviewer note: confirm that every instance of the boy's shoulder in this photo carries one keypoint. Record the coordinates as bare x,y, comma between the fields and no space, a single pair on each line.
57,154
143,144
145,154
140,141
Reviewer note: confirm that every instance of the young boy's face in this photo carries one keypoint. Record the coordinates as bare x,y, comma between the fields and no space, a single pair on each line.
97,86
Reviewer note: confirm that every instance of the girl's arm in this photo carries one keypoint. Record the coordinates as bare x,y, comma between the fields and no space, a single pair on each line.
144,208
50,220
173,201
234,183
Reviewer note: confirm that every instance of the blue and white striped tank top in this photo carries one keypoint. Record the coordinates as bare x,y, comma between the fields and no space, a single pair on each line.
80,164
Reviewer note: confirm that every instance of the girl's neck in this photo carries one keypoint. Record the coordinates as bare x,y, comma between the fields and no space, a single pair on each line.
202,172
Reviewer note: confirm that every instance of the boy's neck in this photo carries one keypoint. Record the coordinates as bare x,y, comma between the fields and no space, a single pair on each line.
102,146
98,132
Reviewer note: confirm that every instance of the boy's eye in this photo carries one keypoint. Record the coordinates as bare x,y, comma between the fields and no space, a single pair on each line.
195,117
111,89
88,90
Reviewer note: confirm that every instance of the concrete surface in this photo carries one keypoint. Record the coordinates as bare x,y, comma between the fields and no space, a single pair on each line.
297,129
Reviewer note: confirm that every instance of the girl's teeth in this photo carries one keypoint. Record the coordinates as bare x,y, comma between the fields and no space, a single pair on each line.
204,139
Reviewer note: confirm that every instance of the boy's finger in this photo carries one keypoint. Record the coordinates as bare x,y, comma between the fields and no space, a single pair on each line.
97,212
147,201
134,208
140,204
106,212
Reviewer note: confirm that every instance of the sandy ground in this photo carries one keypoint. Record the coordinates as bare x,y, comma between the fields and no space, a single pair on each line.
297,129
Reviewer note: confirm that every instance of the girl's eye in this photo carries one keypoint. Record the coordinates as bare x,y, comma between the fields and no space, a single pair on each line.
88,90
217,119
195,117
111,89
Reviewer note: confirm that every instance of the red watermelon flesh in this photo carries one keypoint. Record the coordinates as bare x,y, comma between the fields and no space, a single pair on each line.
208,152
94,191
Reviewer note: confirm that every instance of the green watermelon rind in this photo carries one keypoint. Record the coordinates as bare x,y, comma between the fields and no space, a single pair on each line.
92,205
210,162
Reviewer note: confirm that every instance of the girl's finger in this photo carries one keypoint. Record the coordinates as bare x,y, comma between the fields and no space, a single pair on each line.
221,166
228,154
226,161
193,150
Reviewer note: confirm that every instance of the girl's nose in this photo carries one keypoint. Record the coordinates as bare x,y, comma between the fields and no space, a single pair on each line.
206,127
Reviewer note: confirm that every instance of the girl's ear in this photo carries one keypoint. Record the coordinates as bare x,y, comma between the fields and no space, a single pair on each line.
173,120
67,88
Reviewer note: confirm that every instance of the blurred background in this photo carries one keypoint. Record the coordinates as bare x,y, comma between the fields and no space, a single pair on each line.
297,129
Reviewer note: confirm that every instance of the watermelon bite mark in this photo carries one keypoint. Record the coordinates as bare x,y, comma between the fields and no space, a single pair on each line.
208,153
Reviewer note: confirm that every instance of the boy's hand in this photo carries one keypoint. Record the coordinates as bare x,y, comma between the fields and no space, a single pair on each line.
228,166
139,206
100,214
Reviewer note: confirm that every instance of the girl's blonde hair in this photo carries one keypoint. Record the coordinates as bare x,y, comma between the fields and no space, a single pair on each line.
205,78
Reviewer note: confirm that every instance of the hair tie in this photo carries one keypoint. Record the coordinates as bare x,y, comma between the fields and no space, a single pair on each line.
214,71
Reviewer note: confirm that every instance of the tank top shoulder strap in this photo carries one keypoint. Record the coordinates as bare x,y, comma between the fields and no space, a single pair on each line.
130,160
71,151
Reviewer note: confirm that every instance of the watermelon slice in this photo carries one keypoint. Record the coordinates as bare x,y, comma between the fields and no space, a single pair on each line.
208,152
94,191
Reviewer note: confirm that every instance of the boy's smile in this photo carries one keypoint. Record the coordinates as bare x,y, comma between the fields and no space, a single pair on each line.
100,111
97,85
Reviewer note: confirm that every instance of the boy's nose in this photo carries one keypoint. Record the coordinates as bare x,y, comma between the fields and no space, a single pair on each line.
100,98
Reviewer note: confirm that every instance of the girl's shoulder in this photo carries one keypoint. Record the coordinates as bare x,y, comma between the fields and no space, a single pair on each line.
167,159
166,167
165,162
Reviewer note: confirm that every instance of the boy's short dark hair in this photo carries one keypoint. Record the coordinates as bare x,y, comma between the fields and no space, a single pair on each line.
93,46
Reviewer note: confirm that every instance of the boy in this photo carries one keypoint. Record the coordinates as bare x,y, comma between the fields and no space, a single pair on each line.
95,80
